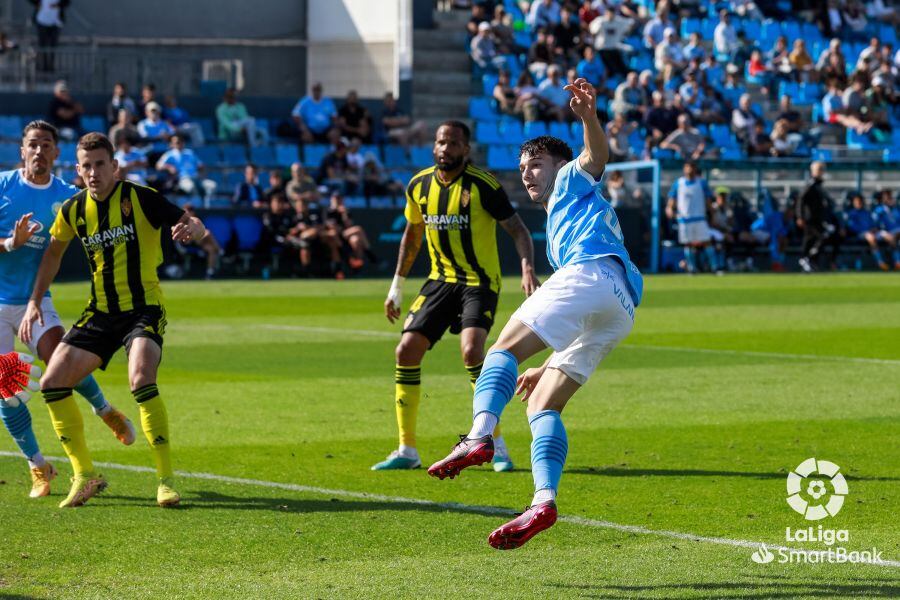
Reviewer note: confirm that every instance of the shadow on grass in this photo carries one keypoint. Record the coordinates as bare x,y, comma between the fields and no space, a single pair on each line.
757,589
628,472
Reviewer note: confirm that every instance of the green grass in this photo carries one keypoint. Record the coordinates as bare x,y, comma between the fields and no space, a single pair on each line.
662,437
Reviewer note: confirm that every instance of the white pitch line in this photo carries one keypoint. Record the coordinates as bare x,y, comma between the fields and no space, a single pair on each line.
814,357
472,508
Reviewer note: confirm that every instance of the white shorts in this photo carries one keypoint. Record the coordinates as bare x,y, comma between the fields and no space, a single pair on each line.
716,235
10,318
583,311
695,231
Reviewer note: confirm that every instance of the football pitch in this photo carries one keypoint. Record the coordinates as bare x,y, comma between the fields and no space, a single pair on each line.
280,396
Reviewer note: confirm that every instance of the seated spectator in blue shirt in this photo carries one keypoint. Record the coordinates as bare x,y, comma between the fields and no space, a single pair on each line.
153,129
249,192
543,13
694,48
484,52
554,95
181,121
182,167
591,68
862,225
132,162
314,115
654,30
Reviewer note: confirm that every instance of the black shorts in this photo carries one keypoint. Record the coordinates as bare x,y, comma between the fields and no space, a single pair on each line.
104,333
458,306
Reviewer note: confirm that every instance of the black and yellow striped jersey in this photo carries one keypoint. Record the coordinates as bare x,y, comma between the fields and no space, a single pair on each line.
122,239
460,224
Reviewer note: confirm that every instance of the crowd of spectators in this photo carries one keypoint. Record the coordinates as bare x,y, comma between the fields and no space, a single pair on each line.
711,64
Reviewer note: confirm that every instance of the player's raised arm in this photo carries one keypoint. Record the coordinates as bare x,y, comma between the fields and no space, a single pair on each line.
516,228
187,229
595,155
46,274
410,244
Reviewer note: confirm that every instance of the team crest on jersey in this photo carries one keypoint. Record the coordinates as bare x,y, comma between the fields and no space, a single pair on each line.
464,198
126,207
55,207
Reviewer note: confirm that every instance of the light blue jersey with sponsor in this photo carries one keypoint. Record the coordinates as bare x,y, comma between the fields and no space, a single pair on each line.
18,269
582,226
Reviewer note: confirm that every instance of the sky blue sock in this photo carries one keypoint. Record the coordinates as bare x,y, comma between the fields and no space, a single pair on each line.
711,258
18,422
689,259
549,447
877,254
90,389
496,384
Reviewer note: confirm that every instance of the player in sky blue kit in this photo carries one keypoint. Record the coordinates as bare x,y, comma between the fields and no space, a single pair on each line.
29,200
582,312
689,202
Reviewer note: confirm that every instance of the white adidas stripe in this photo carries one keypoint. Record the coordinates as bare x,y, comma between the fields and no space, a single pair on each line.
472,508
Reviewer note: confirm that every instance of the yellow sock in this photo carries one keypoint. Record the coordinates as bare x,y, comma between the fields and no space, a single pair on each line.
155,423
474,371
69,428
408,392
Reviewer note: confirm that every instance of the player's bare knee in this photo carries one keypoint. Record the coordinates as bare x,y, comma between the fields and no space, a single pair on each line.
472,353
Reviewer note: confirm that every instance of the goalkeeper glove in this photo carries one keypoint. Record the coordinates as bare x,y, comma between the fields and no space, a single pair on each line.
18,378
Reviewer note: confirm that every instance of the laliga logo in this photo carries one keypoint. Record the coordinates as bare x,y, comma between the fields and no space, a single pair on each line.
763,556
812,500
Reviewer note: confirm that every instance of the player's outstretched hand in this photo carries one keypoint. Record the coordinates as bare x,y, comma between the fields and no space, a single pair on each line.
32,313
530,282
528,381
18,378
23,230
584,98
394,299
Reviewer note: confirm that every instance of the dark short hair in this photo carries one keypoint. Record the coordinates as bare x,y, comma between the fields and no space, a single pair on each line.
176,136
546,144
95,141
42,126
462,127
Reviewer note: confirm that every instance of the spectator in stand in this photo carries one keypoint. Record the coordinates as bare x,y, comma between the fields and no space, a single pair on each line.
655,29
181,121
617,132
542,13
725,40
340,225
124,128
887,218
483,51
861,225
694,48
587,12
49,17
619,194
747,8
249,193
591,68
567,33
743,119
278,221
375,179
854,97
685,140
759,143
398,126
184,170
756,67
669,51
630,99
880,10
300,186
836,112
132,162
778,59
609,31
6,44
504,94
660,120
309,233
783,144
119,100
834,49
355,155
792,118
276,184
336,171
870,57
688,204
235,123
354,119
835,70
314,116
554,95
801,61
854,18
148,95
528,102
208,245
64,112
877,109
479,16
153,130
540,54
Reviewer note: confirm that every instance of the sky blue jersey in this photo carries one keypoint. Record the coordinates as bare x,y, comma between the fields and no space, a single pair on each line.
582,226
18,269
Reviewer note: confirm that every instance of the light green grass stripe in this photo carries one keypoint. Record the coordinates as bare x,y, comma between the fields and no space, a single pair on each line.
457,506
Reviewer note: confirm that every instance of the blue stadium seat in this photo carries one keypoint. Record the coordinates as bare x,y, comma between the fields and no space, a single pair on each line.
488,81
487,132
707,29
720,134
808,94
263,155
751,28
502,158
732,154
94,123
218,177
789,88
11,126
394,156
220,226
534,129
561,131
248,229
860,141
234,155
769,33
733,95
232,179
636,143
67,153
690,25
888,35
892,155
823,154
577,132
313,155
421,155
208,128
662,154
209,155
480,109
512,132
286,154
791,30
9,152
